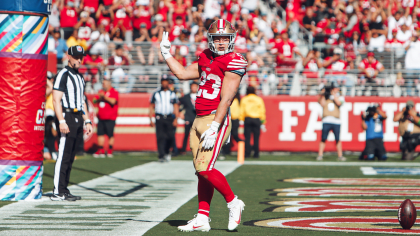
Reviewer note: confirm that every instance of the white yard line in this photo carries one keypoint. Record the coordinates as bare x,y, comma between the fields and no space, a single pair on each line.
127,202
332,163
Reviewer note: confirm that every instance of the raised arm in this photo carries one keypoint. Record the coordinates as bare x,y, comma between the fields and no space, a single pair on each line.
182,73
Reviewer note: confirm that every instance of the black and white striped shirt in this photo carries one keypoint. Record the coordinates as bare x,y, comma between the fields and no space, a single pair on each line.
164,101
72,84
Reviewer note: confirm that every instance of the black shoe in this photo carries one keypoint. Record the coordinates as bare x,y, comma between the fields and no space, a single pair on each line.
71,195
62,197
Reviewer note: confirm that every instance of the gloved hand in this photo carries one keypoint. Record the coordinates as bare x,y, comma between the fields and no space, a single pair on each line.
165,46
209,136
263,128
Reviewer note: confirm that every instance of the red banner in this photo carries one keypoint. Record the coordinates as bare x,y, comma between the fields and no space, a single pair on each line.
293,124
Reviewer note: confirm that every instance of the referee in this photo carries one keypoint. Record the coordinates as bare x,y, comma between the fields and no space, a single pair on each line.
164,105
71,113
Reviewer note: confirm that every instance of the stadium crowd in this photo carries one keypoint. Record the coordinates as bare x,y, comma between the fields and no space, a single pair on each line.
119,33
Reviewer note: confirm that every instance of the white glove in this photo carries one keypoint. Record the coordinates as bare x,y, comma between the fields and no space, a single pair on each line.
263,128
209,136
165,46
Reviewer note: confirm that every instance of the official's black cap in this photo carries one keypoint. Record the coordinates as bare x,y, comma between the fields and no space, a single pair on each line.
76,51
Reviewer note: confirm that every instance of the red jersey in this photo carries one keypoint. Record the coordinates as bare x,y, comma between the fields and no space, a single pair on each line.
179,11
142,16
337,67
393,43
163,10
233,7
370,67
106,111
286,48
91,6
121,15
68,17
212,73
106,21
98,60
176,31
108,2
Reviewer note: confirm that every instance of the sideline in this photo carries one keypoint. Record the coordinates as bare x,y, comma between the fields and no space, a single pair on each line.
331,163
127,202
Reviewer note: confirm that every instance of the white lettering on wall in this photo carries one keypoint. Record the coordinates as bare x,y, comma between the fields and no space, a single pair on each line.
288,121
313,123
344,117
358,109
390,109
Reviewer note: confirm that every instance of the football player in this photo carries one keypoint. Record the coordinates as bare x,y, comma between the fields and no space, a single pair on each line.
220,72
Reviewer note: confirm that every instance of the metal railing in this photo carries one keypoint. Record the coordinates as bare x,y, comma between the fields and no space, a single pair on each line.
269,79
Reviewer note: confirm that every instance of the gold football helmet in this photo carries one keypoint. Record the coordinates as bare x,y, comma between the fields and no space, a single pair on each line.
221,28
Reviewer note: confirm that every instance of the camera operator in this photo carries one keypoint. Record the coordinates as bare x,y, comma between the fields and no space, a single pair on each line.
330,100
409,129
372,122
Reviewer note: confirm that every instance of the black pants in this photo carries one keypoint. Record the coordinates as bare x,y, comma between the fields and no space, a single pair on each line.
67,147
252,126
234,135
374,147
187,128
165,134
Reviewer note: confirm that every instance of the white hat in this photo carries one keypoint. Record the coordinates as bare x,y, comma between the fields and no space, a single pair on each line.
142,2
349,9
338,51
158,17
95,35
244,11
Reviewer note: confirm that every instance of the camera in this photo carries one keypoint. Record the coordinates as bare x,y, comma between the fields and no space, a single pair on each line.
372,109
328,89
407,109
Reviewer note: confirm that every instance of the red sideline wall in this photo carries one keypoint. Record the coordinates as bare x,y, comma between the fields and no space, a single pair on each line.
293,124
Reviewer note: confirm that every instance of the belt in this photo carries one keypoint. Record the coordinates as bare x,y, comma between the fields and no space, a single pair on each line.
74,111
165,116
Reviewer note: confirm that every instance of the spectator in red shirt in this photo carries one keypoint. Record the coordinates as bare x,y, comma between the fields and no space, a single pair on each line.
105,16
286,47
122,20
312,63
86,25
90,6
233,9
107,100
393,43
142,15
370,67
336,68
93,62
177,28
68,18
179,9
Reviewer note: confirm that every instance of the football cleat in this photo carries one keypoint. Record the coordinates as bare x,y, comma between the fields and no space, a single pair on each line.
109,153
196,224
99,153
62,197
236,206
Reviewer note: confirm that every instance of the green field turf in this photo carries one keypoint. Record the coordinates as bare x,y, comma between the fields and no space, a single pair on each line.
250,184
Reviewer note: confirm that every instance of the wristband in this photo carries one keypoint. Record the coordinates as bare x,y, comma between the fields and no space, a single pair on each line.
62,121
166,56
88,122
